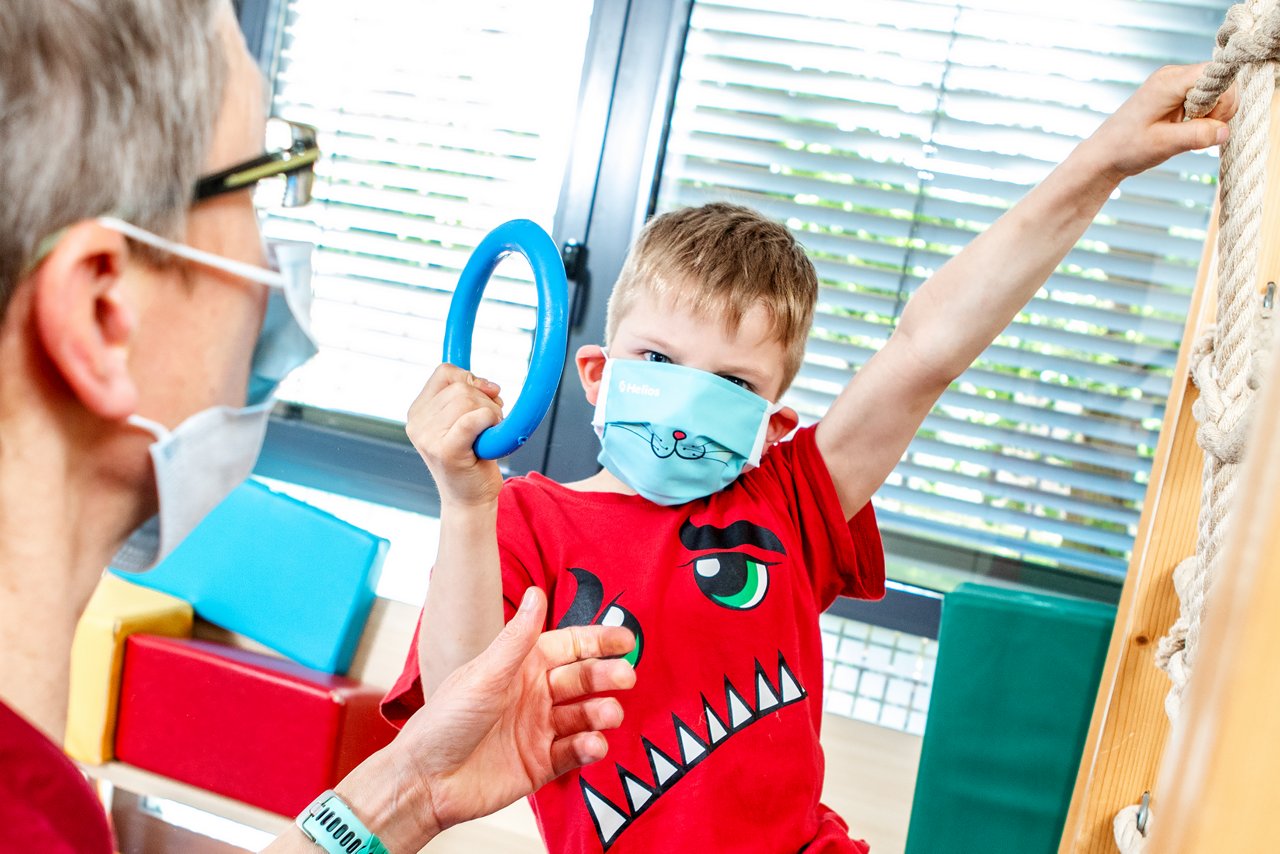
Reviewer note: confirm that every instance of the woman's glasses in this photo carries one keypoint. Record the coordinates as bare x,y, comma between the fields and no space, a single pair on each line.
291,154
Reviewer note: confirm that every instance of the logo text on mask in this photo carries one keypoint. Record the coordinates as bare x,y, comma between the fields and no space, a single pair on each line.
638,388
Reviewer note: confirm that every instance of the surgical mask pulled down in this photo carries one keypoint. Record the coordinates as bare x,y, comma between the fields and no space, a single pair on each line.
198,463
676,434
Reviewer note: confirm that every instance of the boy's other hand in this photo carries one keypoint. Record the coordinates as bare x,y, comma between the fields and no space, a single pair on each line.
455,407
1149,128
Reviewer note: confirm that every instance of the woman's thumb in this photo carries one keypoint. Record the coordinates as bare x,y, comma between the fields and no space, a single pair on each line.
521,632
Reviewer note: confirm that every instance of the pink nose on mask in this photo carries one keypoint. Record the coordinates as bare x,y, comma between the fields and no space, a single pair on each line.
679,434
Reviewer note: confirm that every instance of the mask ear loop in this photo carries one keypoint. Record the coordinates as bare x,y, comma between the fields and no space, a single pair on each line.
757,447
284,286
155,428
262,276
606,380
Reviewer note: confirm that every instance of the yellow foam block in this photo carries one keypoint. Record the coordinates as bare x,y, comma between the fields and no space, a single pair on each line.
116,610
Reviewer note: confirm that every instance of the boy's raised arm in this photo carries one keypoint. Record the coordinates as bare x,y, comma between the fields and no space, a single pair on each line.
463,611
961,309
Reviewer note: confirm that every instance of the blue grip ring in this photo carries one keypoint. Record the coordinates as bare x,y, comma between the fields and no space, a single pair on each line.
550,335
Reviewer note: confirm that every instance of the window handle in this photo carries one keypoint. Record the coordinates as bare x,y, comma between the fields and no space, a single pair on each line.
574,256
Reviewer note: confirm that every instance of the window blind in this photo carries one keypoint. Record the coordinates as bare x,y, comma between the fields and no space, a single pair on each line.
437,122
887,134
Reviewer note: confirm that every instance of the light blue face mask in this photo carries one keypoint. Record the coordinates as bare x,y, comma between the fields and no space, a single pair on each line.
675,434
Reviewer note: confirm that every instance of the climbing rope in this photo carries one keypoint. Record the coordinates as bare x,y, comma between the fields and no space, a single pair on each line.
1130,830
1226,362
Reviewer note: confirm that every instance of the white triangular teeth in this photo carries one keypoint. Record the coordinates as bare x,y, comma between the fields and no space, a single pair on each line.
664,767
609,820
692,748
715,726
766,697
739,712
638,792
791,690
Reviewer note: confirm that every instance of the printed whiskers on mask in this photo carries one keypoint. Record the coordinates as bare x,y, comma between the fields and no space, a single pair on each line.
676,434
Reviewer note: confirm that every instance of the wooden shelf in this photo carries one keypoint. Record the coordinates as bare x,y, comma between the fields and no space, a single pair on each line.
148,784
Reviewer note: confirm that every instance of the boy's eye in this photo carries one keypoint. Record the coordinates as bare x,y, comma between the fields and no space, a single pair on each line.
652,356
738,381
732,579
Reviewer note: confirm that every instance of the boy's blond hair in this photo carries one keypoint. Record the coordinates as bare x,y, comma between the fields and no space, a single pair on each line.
720,260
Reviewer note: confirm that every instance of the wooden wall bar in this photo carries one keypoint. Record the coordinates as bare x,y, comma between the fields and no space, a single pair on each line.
1218,785
1227,739
1127,735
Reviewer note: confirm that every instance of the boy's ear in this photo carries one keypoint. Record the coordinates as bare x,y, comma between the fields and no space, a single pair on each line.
82,320
781,423
590,359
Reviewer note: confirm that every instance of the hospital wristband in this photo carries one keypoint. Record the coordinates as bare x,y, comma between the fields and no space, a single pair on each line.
331,824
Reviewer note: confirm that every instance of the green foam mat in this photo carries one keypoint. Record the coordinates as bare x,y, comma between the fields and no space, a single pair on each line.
1013,693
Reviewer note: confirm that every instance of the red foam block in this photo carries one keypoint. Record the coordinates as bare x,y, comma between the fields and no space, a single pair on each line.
252,727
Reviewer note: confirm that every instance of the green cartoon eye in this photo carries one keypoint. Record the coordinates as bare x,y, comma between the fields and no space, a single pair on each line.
732,579
616,615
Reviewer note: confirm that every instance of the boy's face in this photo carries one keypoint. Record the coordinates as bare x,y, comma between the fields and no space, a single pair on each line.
657,330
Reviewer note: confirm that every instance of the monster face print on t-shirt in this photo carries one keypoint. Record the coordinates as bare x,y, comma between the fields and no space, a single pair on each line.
729,569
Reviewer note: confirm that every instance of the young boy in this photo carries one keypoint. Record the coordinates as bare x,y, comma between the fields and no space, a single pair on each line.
718,557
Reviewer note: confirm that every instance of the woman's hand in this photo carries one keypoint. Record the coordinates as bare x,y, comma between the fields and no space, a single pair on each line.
502,726
515,717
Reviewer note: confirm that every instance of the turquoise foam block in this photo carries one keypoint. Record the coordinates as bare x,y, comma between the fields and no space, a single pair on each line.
279,571
1013,693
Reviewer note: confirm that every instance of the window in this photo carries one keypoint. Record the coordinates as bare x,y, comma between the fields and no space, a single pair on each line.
887,135
437,122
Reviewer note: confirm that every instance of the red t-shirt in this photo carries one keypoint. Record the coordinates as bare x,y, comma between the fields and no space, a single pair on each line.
719,748
45,803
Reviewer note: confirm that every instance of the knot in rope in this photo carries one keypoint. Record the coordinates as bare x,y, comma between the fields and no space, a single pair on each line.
1245,37
1128,838
1223,426
1171,651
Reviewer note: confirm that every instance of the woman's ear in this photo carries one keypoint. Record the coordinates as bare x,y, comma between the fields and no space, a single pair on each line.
590,359
781,423
82,319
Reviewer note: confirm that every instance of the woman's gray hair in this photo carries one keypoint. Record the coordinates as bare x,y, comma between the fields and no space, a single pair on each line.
106,107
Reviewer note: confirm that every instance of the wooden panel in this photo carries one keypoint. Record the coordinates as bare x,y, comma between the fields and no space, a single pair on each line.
1129,731
1218,785
870,779
1218,789
1129,728
144,783
508,831
385,643
140,832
